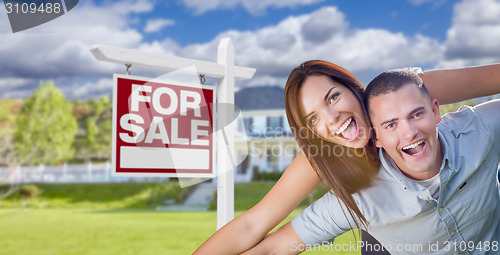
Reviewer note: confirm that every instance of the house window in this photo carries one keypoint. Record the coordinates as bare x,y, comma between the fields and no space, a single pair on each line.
274,124
247,121
243,167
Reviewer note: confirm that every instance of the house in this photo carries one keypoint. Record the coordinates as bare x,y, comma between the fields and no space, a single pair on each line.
264,133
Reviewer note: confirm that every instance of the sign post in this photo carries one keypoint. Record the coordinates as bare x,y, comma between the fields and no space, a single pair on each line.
226,73
225,181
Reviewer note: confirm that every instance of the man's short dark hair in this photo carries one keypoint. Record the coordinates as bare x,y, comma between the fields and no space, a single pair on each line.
391,81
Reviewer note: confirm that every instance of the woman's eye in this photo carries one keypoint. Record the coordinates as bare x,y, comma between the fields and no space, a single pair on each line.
333,97
313,120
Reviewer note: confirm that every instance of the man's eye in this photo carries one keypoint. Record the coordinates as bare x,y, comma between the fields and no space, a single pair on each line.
389,126
418,114
333,98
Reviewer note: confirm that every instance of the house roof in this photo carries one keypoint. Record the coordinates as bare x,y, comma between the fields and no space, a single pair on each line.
260,98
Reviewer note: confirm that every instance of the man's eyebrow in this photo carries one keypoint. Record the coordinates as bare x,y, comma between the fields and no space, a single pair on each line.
409,114
416,110
388,121
328,93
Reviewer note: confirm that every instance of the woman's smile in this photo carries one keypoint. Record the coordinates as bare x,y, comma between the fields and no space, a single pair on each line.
349,130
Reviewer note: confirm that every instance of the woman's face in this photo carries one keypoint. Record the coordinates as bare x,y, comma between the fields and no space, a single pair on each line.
333,112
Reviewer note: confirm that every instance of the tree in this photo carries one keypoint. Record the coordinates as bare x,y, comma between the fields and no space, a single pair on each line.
94,118
443,109
45,127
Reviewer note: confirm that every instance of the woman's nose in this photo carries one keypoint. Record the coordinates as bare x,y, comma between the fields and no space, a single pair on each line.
331,117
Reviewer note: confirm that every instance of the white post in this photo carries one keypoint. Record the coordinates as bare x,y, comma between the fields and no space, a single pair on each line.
225,168
252,162
65,172
89,171
107,172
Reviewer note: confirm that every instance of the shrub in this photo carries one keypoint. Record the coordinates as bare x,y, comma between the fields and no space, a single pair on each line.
268,176
29,190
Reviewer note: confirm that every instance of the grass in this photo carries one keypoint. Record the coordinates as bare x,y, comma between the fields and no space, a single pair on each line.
99,195
117,218
246,195
95,232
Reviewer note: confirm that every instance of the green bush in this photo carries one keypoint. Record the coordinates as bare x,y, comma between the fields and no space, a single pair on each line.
98,195
268,176
29,191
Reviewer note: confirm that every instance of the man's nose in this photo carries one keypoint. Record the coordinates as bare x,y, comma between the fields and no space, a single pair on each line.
407,130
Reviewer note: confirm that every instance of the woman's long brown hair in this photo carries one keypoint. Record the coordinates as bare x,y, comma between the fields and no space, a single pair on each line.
344,170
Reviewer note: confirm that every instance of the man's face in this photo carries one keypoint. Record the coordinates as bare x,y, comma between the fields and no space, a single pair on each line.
405,123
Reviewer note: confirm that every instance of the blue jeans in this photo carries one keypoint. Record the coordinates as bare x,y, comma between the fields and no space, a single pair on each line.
372,246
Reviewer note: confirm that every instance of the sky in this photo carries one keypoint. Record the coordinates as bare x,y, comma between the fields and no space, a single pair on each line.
273,36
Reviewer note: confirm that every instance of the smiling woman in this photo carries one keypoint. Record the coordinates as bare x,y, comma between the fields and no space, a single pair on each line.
328,100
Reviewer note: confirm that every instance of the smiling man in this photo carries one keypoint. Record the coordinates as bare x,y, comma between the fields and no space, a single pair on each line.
449,169
436,192
407,132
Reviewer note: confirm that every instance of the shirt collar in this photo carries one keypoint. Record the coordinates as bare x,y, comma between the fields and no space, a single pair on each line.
393,170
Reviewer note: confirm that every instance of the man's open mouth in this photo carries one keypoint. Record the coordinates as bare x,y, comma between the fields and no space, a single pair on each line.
415,148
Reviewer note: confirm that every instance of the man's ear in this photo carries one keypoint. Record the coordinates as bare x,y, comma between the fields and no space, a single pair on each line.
435,110
375,140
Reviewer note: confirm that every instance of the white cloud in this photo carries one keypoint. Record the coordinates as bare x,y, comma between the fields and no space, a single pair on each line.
15,87
420,2
254,7
155,25
11,83
102,87
275,50
474,35
59,50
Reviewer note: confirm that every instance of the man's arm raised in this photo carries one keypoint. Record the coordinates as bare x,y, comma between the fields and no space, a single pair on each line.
455,85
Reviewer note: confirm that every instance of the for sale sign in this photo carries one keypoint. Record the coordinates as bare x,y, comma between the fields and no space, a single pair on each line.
162,128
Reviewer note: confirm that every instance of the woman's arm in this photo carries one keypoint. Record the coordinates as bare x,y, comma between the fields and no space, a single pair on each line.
248,229
455,85
282,241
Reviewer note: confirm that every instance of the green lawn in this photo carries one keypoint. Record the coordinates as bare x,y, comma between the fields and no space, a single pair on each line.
83,231
116,218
